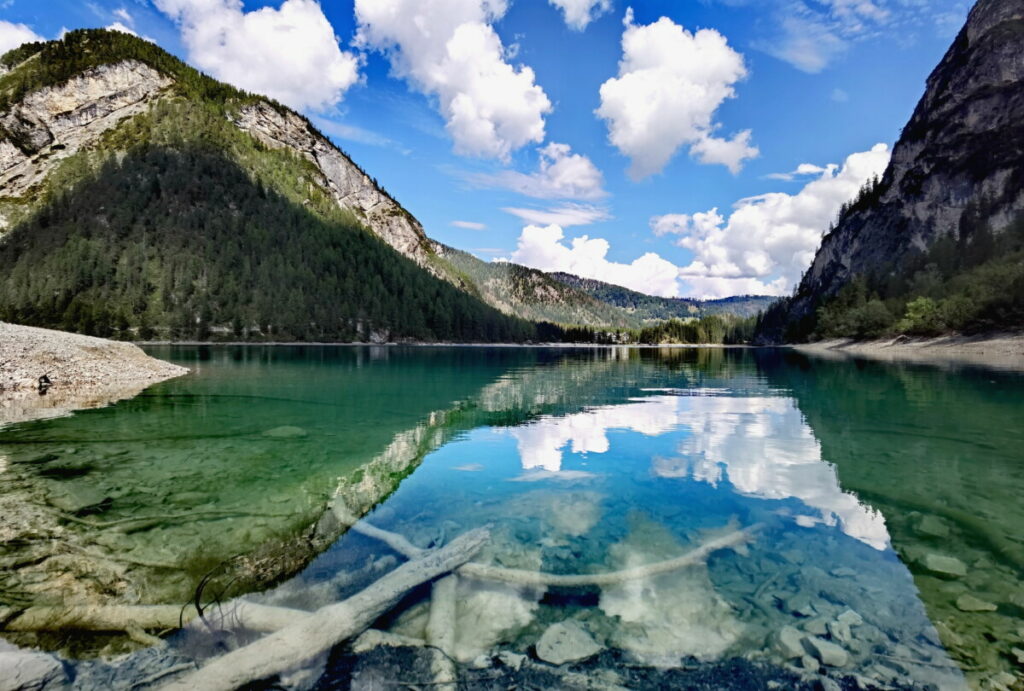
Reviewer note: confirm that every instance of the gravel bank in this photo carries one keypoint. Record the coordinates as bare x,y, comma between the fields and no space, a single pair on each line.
84,372
1001,351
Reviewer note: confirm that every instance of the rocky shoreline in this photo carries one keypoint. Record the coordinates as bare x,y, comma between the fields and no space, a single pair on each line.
997,350
82,372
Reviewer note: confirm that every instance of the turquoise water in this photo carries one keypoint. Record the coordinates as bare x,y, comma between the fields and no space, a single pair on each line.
882,502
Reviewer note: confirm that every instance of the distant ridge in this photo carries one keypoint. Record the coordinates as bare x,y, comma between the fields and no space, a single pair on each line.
650,308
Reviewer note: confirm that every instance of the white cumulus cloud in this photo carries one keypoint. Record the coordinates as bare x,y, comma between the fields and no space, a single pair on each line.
13,35
767,240
543,247
289,53
448,49
469,225
565,215
579,13
560,174
670,84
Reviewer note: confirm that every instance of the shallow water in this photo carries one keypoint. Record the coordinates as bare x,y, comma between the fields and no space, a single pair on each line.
853,477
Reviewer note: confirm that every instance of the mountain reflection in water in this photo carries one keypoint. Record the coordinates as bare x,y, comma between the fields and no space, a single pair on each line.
851,476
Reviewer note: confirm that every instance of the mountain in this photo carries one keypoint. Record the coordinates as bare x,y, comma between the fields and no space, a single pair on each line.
936,243
649,309
140,197
533,294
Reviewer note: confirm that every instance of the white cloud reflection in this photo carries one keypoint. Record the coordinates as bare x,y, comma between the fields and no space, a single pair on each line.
760,444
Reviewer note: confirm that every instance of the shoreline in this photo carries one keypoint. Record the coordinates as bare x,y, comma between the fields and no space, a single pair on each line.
83,372
439,344
1002,350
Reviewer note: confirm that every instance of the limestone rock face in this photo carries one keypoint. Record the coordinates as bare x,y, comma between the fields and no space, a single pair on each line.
964,142
351,187
55,122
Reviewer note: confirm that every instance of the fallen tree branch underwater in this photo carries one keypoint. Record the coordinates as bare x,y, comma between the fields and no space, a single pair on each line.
318,632
400,544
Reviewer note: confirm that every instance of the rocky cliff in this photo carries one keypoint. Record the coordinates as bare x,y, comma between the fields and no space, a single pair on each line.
54,122
963,148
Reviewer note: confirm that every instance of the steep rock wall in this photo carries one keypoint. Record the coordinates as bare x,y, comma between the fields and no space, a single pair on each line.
55,122
963,144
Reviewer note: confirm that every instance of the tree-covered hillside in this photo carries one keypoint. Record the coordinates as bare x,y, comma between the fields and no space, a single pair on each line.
649,309
534,294
181,225
969,283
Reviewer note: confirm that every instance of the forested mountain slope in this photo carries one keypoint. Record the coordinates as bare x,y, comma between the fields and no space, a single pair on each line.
935,245
649,309
141,197
534,294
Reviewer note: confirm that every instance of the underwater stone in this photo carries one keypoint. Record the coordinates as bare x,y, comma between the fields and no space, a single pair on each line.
285,432
829,653
809,663
818,627
29,671
510,659
969,603
850,618
948,567
787,642
481,662
932,526
800,605
76,498
839,631
566,642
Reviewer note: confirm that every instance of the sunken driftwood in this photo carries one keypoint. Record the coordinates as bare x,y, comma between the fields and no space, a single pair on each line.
441,632
236,614
317,633
735,539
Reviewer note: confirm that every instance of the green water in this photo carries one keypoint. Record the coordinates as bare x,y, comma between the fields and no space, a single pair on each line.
864,481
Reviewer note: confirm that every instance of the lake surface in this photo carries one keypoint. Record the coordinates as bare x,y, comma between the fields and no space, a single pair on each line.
883,502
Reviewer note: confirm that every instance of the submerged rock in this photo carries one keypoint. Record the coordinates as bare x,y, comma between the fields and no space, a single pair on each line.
943,566
800,605
669,616
788,642
932,526
850,618
969,603
829,653
488,613
22,670
566,641
77,498
285,432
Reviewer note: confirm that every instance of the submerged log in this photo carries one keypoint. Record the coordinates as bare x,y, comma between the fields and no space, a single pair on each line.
441,632
109,618
317,633
732,540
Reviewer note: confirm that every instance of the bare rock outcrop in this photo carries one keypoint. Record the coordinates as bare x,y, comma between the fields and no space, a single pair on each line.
57,121
962,149
351,187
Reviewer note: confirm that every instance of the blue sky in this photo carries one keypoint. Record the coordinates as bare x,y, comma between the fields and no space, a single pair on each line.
680,147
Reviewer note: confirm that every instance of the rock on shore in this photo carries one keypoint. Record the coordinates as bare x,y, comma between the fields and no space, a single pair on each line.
84,372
